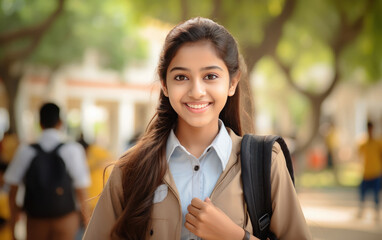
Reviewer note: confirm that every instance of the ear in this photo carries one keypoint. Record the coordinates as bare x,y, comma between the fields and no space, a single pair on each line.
234,82
164,89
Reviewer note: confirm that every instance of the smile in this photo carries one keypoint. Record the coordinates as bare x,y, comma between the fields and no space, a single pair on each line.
197,106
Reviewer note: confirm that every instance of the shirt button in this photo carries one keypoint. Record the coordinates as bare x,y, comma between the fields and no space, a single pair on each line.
196,168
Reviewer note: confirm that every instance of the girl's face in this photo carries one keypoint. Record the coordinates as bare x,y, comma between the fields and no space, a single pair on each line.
198,85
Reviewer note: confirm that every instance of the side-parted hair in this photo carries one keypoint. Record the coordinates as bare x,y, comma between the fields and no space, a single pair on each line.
144,165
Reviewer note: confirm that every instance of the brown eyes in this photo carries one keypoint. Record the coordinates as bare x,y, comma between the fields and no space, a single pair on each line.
207,77
210,77
181,78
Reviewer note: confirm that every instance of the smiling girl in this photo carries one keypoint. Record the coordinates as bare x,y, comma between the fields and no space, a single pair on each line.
182,180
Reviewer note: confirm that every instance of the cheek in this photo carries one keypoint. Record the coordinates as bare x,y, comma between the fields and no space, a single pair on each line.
174,94
220,90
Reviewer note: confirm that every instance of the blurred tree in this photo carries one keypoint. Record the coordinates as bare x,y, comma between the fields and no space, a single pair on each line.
342,36
55,33
299,36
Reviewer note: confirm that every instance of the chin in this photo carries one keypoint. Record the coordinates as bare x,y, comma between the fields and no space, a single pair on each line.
198,123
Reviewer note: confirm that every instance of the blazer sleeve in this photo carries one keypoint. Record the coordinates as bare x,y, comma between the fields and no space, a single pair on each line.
288,221
108,208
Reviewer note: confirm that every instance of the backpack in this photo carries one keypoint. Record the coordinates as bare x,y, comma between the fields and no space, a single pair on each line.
48,186
256,158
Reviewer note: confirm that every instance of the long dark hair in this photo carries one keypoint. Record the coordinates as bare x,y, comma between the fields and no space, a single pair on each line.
144,166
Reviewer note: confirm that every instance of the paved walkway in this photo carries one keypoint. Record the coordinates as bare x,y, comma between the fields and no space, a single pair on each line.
332,214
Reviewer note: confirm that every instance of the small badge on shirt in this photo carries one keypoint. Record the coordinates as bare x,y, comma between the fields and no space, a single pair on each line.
160,193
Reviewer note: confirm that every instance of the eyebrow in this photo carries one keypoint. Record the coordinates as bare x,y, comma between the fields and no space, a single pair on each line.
202,69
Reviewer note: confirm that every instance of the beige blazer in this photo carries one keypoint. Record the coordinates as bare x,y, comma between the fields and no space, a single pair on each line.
287,221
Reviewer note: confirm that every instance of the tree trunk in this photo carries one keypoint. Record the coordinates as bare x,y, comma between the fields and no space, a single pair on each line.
346,34
272,34
11,85
34,34
315,113
184,10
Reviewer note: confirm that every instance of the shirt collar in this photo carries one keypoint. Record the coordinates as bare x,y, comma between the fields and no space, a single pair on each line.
222,144
51,134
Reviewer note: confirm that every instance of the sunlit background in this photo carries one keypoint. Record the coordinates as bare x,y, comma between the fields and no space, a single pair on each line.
315,70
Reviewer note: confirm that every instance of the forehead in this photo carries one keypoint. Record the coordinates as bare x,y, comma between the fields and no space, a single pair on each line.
196,54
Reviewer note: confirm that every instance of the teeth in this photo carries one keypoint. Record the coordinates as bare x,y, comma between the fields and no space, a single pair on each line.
197,106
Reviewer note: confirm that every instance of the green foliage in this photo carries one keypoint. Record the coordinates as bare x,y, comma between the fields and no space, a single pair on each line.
276,93
168,11
308,36
365,54
109,27
21,13
243,18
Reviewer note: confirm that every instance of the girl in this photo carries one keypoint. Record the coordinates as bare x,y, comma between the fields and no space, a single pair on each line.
182,180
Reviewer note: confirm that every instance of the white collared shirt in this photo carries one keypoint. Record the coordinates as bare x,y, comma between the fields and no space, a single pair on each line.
196,177
72,154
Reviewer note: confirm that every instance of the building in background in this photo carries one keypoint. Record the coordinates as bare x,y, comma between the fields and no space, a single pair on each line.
109,108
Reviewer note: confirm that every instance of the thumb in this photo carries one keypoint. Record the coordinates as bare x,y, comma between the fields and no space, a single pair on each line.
208,200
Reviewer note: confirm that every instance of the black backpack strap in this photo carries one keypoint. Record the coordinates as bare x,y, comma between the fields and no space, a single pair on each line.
254,183
38,147
288,158
57,147
256,159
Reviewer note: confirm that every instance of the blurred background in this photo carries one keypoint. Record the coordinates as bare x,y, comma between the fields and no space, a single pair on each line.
315,72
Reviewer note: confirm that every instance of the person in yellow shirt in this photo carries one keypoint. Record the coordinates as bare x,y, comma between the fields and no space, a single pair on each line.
371,153
5,215
99,161
9,145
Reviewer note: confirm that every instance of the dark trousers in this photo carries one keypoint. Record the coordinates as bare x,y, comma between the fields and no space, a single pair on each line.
374,185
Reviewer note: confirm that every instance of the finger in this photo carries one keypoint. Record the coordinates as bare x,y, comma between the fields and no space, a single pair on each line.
198,203
191,219
208,200
193,210
190,227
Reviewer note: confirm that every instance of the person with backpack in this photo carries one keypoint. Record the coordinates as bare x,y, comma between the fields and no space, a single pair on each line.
55,176
183,178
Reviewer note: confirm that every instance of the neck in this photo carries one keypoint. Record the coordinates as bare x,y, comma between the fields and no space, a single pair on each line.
195,139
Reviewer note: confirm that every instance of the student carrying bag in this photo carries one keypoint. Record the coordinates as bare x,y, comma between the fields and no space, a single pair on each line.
256,159
48,186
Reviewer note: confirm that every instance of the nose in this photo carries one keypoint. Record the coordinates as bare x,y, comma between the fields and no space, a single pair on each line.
197,89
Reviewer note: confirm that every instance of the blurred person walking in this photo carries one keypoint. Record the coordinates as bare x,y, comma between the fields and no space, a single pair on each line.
8,146
98,158
371,153
5,229
56,177
99,163
331,144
